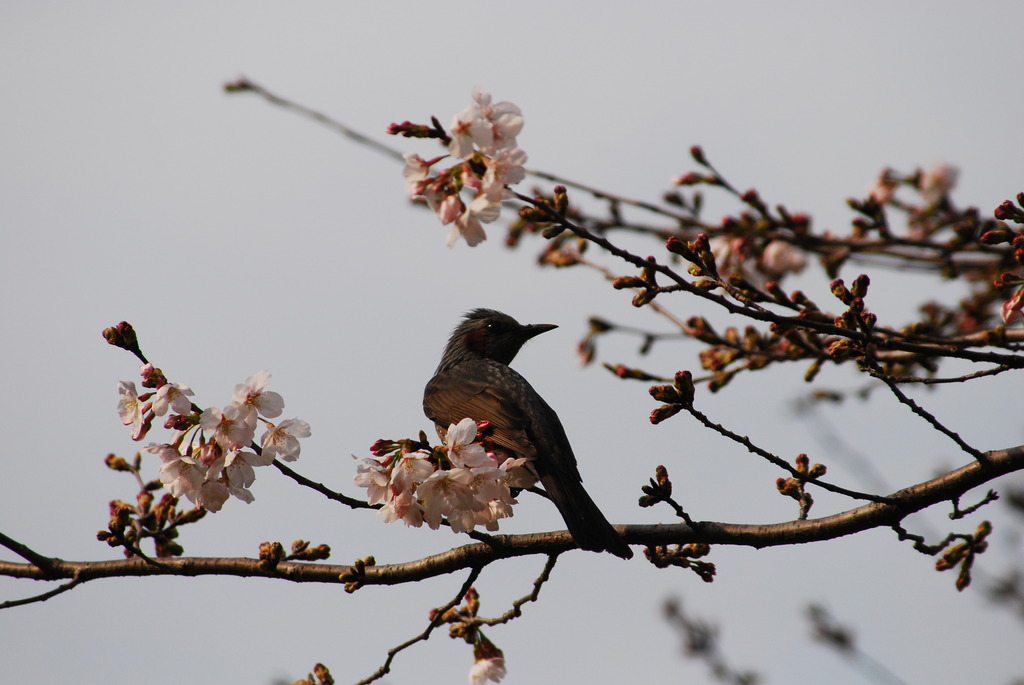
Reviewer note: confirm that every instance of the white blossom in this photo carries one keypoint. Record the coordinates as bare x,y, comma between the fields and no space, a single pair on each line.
129,408
233,427
282,440
487,669
253,394
173,396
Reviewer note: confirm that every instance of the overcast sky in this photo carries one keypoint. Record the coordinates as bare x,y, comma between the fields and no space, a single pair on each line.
237,237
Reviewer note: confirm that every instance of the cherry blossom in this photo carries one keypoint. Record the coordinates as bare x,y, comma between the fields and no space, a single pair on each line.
183,476
129,408
232,428
505,169
450,209
282,440
518,472
375,476
462,449
473,492
467,226
237,472
410,470
404,506
416,171
212,495
504,119
469,129
492,669
484,136
1011,310
446,492
253,394
172,396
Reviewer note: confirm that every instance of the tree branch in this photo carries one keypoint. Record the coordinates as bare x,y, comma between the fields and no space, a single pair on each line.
899,505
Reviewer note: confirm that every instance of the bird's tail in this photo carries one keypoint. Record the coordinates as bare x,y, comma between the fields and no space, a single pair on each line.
587,525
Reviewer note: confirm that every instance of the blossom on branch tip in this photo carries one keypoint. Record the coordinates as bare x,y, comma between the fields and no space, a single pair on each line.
173,396
487,669
490,127
484,136
282,440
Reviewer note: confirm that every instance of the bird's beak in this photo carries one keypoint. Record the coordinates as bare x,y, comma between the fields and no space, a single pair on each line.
536,329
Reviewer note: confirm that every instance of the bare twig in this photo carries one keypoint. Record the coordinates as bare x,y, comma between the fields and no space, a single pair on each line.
877,372
71,584
244,85
435,621
782,463
517,606
323,489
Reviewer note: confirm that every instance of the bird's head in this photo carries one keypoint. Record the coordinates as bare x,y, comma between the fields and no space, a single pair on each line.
489,334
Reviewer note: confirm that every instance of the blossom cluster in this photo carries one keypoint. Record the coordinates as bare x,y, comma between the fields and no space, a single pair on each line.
211,455
483,139
463,483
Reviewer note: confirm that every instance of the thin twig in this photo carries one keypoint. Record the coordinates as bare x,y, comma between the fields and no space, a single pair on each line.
323,489
245,85
43,597
425,635
782,463
517,606
873,369
957,379
599,194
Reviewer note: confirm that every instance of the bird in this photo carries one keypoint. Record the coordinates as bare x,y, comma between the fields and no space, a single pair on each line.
474,380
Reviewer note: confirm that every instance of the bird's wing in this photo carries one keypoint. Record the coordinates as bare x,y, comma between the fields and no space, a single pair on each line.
449,398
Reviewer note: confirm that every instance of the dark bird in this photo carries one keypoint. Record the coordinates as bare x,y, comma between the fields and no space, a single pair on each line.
474,380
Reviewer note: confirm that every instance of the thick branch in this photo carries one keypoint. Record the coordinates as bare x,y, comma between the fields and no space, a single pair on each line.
901,504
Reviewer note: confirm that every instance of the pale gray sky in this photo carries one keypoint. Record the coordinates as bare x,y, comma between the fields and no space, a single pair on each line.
237,237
